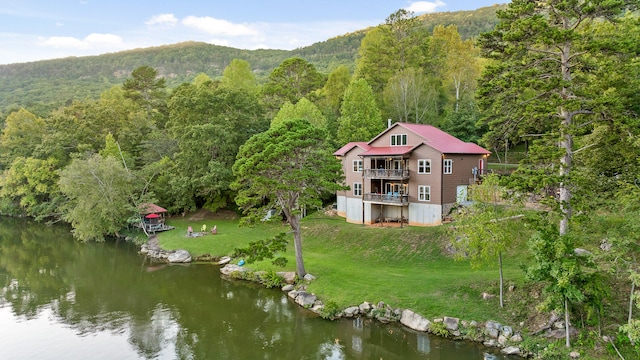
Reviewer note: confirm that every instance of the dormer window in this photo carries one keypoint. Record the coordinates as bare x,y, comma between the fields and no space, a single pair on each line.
398,139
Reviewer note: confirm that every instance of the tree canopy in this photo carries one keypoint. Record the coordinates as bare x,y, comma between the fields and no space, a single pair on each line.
288,167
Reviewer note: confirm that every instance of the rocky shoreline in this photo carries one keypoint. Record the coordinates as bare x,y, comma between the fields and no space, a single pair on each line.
489,333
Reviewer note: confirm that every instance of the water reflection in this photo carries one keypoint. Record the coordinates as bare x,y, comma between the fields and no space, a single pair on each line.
71,300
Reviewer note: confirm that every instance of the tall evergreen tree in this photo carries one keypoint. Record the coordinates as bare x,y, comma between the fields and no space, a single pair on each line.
539,84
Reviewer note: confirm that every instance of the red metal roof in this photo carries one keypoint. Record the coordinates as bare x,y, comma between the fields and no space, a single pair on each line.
387,150
148,208
442,141
345,149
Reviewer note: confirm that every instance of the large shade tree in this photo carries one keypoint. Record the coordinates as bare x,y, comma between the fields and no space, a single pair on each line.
209,123
292,80
287,167
100,194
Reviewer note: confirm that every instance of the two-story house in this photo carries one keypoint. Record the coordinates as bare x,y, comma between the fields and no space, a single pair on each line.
410,173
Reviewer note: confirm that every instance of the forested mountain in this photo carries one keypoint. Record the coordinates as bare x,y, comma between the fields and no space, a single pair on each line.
43,85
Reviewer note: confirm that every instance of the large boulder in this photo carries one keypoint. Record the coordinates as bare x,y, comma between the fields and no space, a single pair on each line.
179,256
288,276
232,268
305,299
451,323
414,321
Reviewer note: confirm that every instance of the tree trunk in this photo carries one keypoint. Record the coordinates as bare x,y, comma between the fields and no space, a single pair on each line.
566,141
566,322
501,279
294,221
633,289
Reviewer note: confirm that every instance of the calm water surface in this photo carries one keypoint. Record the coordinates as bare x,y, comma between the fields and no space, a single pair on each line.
64,300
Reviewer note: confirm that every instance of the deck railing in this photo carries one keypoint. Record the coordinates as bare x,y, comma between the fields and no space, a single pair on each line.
394,198
386,173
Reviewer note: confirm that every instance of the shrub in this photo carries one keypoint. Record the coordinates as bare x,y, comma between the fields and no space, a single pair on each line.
330,310
439,329
271,279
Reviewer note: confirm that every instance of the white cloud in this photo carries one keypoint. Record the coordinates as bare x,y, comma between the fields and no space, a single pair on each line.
217,26
163,20
91,41
420,7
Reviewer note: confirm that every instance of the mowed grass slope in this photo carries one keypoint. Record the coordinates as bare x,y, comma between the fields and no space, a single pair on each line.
404,267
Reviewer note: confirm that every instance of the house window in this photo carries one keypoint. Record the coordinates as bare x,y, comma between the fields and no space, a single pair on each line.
424,193
424,166
357,165
357,189
447,165
399,139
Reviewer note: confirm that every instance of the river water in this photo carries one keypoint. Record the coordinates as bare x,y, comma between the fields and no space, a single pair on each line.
61,299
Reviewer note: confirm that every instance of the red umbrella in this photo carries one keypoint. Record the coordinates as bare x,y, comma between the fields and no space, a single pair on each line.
152,216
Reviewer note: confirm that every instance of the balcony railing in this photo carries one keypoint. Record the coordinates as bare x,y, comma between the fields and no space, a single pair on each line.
394,198
386,173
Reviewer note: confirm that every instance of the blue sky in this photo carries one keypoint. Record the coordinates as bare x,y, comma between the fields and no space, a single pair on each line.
33,30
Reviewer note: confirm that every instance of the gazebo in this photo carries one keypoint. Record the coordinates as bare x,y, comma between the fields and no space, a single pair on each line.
152,218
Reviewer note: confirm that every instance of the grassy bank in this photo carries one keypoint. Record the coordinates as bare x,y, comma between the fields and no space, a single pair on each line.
404,267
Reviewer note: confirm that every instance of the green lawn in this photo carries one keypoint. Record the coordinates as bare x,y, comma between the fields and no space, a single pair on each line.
404,267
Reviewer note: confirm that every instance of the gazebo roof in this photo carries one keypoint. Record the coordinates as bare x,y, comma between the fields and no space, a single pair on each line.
148,208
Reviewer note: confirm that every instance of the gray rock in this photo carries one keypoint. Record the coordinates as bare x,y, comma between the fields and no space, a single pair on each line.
288,276
490,343
511,350
581,252
293,294
451,323
574,354
492,329
351,311
502,340
516,338
507,331
414,321
309,277
364,308
179,256
305,299
288,287
231,268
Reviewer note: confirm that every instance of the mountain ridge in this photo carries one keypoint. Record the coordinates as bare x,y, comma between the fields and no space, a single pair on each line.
46,84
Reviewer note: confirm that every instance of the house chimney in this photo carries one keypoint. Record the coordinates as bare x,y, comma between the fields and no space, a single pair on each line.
388,123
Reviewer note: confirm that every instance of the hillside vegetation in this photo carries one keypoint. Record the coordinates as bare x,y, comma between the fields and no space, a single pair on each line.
43,85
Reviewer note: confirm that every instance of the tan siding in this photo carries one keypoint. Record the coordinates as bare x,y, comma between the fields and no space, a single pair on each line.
434,179
385,140
462,165
351,176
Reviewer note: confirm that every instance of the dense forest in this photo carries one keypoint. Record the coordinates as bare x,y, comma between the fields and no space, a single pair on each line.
191,126
43,85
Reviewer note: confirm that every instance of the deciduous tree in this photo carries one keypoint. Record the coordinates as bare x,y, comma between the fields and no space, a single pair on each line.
303,109
361,118
20,136
483,232
100,194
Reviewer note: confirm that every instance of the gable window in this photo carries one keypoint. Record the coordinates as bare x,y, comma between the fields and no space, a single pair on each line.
424,193
357,189
447,166
424,166
398,139
357,165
